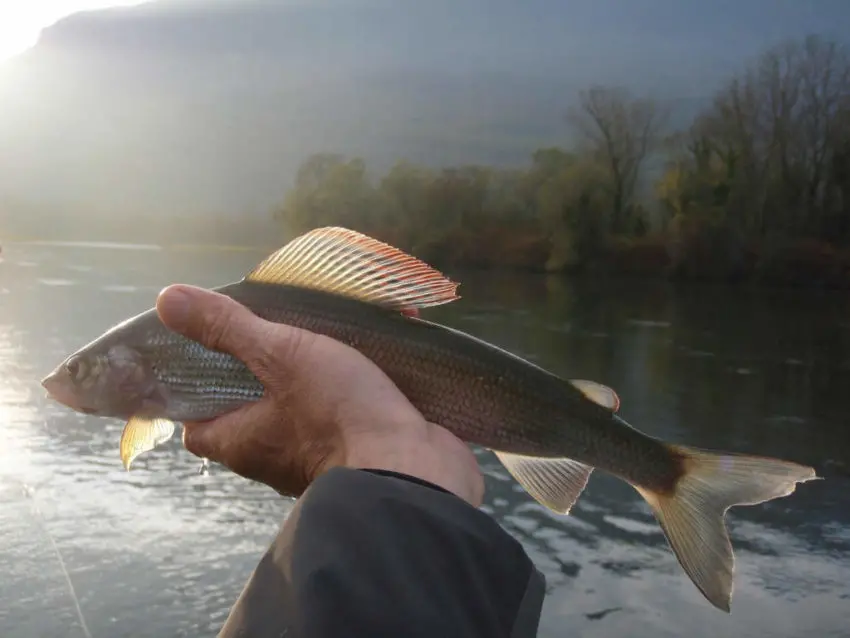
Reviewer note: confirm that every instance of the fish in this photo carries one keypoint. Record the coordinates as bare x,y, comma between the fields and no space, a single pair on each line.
549,432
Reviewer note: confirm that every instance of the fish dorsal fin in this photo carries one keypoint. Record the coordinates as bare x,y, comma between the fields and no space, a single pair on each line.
554,483
141,435
598,393
348,263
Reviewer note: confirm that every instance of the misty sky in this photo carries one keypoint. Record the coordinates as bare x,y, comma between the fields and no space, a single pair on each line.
21,22
711,34
180,107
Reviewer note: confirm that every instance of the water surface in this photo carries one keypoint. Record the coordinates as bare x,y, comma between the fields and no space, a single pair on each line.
164,552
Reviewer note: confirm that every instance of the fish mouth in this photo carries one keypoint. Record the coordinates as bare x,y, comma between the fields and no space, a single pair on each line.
59,388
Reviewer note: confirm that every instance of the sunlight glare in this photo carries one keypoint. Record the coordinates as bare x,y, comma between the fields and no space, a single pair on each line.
15,462
21,23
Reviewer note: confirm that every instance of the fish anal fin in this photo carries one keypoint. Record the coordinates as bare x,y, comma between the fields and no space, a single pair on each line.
598,393
555,483
346,262
692,514
141,435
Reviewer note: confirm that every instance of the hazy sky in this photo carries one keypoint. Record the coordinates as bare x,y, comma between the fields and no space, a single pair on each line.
197,107
21,22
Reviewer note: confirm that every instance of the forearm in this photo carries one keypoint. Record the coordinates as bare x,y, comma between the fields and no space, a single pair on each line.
370,554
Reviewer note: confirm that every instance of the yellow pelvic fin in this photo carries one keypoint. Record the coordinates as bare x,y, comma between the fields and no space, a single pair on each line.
141,435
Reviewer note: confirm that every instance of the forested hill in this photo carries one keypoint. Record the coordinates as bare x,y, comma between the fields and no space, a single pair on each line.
188,108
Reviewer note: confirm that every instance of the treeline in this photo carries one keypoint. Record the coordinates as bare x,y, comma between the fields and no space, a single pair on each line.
756,188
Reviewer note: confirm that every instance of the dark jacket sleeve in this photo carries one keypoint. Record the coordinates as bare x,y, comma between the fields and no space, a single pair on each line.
380,555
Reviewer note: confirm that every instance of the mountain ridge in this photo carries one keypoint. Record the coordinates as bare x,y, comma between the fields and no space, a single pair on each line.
190,108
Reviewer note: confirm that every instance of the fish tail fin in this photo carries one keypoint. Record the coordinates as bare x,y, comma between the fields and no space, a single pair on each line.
692,513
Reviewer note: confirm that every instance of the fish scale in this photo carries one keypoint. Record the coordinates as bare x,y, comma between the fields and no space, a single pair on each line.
215,380
550,433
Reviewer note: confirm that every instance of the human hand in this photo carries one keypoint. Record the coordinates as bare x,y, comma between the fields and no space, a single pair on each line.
325,405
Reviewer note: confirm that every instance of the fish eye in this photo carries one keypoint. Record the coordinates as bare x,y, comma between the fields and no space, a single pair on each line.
75,368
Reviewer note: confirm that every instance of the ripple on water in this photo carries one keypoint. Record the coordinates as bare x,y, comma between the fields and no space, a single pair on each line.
649,323
698,353
119,288
631,526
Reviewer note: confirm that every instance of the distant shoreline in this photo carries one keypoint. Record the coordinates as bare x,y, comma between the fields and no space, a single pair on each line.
119,245
801,266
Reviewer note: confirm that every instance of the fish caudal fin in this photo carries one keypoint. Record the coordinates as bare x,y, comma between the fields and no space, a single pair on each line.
692,515
554,483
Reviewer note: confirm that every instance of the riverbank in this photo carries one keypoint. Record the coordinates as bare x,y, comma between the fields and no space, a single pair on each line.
680,257
683,258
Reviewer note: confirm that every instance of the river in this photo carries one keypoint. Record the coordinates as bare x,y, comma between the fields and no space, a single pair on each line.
162,551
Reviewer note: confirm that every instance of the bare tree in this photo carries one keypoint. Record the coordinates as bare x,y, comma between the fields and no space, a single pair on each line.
779,121
621,130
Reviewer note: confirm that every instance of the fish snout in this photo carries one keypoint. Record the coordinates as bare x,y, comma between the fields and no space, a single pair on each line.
60,388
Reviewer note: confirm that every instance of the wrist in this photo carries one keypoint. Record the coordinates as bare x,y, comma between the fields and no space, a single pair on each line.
425,451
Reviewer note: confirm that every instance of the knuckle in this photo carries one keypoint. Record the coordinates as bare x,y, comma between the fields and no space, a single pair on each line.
296,345
217,327
281,349
263,359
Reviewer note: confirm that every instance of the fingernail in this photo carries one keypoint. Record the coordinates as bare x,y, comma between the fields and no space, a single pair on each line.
173,306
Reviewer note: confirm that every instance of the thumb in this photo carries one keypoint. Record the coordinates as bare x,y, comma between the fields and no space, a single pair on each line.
220,323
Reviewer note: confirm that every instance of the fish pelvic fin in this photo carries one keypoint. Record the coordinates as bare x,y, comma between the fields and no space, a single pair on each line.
141,435
345,262
555,483
692,514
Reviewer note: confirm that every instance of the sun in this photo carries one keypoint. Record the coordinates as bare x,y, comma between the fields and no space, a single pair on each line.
22,22
17,32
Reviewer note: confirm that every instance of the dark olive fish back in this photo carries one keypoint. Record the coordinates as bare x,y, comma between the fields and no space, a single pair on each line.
483,394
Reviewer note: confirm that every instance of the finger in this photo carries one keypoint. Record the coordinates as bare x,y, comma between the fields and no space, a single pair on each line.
211,439
201,440
221,323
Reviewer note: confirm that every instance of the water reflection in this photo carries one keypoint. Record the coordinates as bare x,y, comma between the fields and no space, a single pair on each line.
164,551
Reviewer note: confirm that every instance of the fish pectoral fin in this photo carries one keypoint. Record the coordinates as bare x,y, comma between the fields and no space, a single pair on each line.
598,393
692,513
345,262
555,483
141,435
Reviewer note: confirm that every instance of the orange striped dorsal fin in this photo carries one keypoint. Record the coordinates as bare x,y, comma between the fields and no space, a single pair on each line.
348,263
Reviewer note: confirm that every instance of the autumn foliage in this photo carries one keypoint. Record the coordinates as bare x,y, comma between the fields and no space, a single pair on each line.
756,188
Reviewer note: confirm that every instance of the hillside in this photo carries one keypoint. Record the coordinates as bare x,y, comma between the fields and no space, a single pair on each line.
181,108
